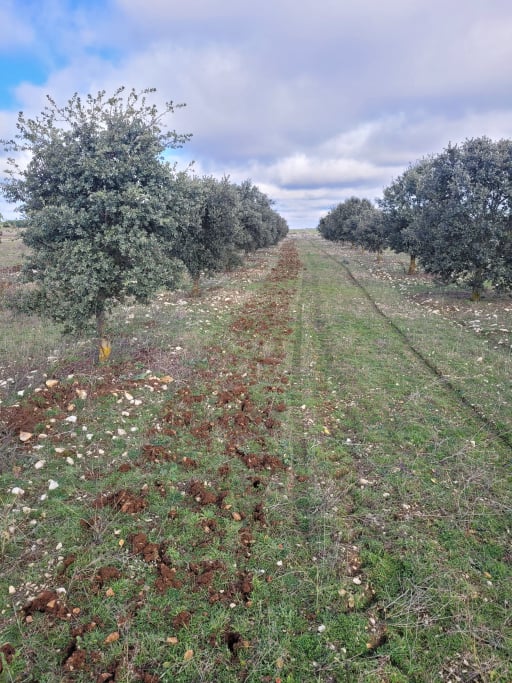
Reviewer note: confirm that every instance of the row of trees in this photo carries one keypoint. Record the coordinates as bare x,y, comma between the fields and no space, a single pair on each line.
216,221
451,211
108,219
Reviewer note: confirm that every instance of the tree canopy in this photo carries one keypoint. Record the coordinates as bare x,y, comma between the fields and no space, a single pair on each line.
217,220
401,206
207,225
466,214
370,230
343,220
108,219
260,225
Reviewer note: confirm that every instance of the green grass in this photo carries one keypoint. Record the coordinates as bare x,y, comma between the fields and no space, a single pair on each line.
12,250
310,501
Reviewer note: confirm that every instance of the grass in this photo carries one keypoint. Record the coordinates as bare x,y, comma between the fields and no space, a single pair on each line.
266,484
11,247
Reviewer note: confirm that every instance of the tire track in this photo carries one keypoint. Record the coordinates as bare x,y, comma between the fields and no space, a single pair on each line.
485,420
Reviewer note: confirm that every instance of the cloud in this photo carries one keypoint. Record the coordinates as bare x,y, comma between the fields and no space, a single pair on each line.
16,33
310,171
315,101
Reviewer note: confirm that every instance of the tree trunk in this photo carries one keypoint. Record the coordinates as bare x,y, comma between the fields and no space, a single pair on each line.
412,265
100,324
196,290
478,284
379,257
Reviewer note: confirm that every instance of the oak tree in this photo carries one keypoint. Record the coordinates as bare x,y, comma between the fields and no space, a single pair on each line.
208,226
464,226
401,206
260,225
342,221
94,193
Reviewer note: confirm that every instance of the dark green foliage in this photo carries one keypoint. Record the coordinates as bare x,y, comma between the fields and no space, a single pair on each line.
342,222
278,227
14,223
401,210
260,225
107,219
370,232
465,220
217,220
453,211
207,225
94,194
255,233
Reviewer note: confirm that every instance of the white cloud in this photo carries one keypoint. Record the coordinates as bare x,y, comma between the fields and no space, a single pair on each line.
303,171
315,100
16,33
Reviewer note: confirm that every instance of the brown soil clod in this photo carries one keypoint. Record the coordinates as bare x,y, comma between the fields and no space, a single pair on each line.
201,494
245,584
74,658
105,677
246,537
259,515
257,461
7,652
167,578
123,500
47,602
181,620
106,574
151,552
154,453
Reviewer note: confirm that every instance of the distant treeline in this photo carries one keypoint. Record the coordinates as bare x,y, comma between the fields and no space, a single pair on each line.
13,224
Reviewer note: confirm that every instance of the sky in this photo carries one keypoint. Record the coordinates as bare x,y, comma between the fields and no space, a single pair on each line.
314,101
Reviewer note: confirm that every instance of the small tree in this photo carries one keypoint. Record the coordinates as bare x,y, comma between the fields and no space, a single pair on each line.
208,226
275,224
327,226
465,219
341,223
401,212
370,231
95,194
258,221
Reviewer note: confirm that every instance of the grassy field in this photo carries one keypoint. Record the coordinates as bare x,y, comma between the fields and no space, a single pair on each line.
304,475
11,247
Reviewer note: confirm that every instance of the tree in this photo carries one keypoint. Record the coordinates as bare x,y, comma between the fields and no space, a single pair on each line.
94,194
401,212
208,226
275,224
370,230
464,229
327,226
255,232
341,223
260,225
